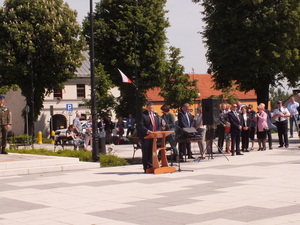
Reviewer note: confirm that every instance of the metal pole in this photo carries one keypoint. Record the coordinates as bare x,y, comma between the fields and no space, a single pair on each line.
136,71
136,77
95,142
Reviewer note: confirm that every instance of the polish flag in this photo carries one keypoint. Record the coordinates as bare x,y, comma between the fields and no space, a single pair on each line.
125,79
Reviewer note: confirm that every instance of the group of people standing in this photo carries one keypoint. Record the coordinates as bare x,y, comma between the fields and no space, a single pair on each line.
242,122
237,128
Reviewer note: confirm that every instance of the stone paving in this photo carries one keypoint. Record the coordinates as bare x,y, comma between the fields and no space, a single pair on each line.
258,188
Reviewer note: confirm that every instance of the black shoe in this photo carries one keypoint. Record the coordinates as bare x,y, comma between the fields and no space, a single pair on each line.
232,153
270,148
259,149
238,153
246,150
191,157
280,146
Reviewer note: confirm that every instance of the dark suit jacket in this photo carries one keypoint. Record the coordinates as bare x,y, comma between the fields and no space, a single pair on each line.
234,122
182,120
145,124
248,120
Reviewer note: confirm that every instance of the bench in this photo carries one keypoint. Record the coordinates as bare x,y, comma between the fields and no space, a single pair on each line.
19,141
66,141
136,142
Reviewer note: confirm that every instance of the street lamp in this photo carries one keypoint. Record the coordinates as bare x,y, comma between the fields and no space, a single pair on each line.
95,140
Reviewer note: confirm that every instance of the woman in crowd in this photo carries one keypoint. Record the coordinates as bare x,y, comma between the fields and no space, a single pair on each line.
201,130
245,128
252,126
120,127
262,127
74,138
168,123
88,134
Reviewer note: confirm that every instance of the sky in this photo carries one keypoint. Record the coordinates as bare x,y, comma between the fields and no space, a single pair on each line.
185,20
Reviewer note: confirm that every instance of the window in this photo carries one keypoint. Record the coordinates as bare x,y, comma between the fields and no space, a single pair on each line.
57,93
80,91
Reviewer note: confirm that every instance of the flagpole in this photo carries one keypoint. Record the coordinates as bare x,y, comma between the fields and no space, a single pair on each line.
95,141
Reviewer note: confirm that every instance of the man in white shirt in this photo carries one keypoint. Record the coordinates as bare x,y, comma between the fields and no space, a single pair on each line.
292,107
281,116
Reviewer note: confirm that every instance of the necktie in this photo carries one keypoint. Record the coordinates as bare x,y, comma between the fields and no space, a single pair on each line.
153,122
188,120
279,118
237,116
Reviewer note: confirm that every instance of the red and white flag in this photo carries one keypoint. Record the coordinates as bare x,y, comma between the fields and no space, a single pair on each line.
125,79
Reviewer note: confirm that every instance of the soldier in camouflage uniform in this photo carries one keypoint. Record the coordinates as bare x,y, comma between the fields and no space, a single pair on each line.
5,123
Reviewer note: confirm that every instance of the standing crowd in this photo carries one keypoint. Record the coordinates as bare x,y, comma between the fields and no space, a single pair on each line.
236,130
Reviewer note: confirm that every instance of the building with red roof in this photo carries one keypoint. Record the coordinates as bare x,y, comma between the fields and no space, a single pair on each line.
205,85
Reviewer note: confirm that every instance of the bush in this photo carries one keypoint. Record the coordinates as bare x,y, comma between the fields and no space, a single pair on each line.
112,160
106,160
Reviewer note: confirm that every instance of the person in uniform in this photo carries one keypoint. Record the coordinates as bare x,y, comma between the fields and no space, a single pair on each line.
5,123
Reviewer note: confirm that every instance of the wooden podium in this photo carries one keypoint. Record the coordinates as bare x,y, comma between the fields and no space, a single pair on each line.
156,168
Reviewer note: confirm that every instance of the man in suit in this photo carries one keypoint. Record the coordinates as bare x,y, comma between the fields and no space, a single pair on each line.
221,126
185,119
235,130
149,123
281,115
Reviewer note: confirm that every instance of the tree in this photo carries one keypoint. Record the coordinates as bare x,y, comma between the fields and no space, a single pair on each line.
40,48
277,94
105,100
130,35
177,88
252,44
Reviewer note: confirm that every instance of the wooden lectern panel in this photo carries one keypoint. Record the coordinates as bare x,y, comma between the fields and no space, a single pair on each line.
156,168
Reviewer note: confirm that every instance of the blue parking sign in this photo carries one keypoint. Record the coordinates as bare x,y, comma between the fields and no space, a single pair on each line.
69,107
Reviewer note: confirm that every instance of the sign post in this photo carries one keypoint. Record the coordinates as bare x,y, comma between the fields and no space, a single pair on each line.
69,108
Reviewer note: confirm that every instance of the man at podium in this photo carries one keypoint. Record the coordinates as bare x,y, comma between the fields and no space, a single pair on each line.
149,122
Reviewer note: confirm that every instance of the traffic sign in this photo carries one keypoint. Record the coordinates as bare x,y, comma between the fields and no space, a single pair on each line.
69,107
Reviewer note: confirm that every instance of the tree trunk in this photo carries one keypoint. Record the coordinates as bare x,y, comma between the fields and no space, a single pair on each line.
262,93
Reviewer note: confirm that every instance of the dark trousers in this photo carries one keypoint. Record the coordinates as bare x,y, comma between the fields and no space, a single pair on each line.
3,136
171,139
269,133
185,148
221,136
235,141
282,128
146,153
130,131
245,139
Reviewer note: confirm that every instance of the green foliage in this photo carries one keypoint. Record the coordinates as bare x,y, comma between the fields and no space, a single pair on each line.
106,160
139,53
105,100
40,48
27,138
227,96
176,87
6,88
277,95
112,160
252,44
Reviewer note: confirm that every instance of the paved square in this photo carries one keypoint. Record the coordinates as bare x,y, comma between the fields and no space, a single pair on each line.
257,188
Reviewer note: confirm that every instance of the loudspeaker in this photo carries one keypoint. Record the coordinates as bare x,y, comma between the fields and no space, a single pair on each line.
211,110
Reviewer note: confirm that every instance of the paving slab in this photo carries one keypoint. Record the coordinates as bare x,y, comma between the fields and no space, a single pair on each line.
256,188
